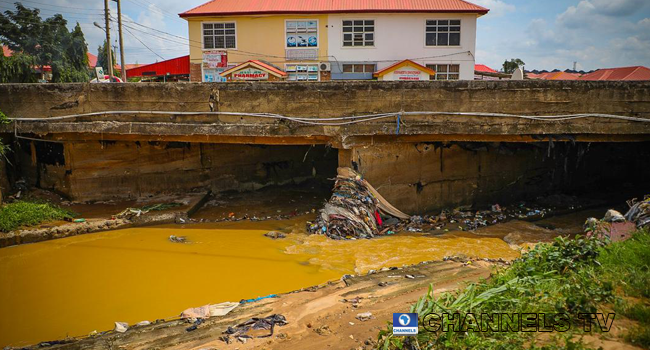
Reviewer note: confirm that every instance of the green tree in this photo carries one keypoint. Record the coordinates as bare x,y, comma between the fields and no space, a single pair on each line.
48,42
17,68
102,58
509,66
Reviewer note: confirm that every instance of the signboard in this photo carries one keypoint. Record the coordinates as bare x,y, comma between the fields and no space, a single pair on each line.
215,59
409,74
99,71
213,75
250,74
302,54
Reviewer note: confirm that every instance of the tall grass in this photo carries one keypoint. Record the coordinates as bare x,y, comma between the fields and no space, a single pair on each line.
569,276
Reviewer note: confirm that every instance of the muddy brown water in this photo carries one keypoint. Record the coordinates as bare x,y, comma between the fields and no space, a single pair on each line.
75,285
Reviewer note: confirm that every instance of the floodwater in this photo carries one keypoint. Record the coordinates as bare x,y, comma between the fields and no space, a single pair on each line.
72,286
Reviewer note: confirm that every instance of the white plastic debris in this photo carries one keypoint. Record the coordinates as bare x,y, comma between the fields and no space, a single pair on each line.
364,316
121,327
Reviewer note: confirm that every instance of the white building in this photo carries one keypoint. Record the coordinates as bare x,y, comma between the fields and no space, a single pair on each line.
360,44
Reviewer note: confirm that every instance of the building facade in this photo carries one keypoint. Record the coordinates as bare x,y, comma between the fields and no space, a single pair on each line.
313,40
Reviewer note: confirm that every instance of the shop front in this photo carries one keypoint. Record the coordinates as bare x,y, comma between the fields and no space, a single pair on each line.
406,70
254,70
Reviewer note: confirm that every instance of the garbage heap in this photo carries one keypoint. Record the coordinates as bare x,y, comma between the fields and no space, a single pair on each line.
355,210
639,212
617,226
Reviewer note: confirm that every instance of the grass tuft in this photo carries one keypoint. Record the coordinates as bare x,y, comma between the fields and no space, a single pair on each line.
29,213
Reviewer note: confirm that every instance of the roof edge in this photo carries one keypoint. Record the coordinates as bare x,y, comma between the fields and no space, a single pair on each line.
240,13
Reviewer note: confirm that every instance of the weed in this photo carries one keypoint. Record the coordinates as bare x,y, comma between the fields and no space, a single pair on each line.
29,213
569,276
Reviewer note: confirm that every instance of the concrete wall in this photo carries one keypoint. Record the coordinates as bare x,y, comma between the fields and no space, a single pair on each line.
327,99
425,177
130,155
422,177
99,170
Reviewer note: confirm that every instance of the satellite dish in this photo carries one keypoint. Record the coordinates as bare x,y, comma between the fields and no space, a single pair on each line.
518,74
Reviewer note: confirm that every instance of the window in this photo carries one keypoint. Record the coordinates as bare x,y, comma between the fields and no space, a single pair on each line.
443,32
359,33
302,33
445,71
219,35
302,72
358,68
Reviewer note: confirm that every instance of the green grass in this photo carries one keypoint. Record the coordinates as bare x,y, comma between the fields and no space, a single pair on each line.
28,213
569,276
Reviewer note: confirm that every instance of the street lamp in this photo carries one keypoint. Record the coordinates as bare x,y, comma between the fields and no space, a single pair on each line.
98,26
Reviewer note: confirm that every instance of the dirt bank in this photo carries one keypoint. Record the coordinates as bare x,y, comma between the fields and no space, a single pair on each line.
318,317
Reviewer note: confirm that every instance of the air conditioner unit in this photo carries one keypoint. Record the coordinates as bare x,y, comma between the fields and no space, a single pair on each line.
325,66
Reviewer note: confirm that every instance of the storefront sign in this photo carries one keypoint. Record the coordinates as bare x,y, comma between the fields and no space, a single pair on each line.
250,74
213,75
409,74
215,59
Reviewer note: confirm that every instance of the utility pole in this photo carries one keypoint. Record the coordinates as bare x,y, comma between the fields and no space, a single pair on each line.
119,26
108,42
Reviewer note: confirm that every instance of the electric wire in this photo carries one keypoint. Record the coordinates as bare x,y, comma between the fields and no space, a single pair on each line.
347,120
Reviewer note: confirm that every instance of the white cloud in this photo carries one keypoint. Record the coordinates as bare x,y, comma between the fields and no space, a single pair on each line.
595,13
497,8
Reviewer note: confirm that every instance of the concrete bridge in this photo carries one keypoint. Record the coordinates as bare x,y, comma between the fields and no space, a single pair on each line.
424,145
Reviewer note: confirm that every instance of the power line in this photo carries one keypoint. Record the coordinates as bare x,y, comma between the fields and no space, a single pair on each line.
55,8
145,45
156,8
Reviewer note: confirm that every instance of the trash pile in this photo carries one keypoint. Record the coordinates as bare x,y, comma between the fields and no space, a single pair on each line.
130,213
639,212
617,226
240,331
355,210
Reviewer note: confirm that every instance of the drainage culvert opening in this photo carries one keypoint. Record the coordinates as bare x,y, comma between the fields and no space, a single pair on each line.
267,181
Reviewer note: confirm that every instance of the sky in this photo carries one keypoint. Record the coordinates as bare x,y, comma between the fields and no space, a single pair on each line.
545,34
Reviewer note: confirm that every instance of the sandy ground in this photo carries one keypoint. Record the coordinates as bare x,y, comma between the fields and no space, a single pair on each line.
318,317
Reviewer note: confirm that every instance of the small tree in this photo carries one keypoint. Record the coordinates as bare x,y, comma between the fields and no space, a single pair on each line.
102,59
509,66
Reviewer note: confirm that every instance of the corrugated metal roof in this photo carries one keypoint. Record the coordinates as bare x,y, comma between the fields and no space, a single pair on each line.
483,68
247,7
622,73
6,51
174,66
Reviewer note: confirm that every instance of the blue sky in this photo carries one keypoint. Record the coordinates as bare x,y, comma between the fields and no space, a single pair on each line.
546,34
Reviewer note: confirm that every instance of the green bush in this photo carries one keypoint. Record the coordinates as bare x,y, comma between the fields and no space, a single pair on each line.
29,213
569,276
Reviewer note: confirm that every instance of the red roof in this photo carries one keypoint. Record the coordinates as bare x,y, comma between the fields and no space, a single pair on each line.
92,60
483,68
174,66
6,51
622,73
262,64
247,7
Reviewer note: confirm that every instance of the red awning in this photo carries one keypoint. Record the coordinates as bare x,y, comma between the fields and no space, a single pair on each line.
174,66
